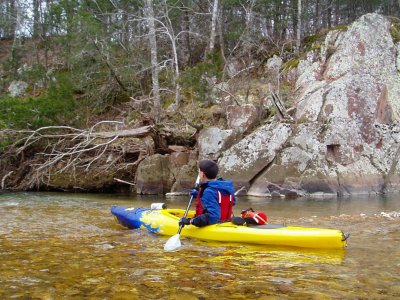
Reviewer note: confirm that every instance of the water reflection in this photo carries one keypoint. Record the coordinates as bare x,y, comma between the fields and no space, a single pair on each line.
68,246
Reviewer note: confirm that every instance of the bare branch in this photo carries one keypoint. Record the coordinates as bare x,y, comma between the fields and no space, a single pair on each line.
65,147
3,181
123,181
229,93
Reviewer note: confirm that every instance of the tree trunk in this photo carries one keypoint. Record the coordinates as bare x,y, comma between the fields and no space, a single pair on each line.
277,21
213,25
336,13
221,37
36,18
13,17
329,14
185,27
172,37
298,33
16,48
317,17
125,30
155,70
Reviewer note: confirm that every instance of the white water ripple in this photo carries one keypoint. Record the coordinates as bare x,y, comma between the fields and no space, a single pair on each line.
390,215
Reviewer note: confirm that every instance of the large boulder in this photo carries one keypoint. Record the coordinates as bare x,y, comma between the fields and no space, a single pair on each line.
345,139
154,175
161,174
185,180
242,118
350,87
245,160
213,140
184,170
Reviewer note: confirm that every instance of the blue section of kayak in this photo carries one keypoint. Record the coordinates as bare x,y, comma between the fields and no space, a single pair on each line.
128,217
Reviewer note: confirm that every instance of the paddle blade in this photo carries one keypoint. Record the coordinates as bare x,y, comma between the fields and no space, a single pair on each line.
173,243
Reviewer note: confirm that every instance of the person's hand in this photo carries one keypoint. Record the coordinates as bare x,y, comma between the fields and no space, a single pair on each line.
184,221
194,193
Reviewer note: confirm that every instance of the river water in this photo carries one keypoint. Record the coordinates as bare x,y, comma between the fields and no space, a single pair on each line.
68,246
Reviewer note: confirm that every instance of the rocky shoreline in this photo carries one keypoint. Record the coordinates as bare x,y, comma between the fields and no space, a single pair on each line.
340,138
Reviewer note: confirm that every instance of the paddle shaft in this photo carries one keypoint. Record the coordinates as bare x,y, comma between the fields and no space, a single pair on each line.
190,203
185,214
174,242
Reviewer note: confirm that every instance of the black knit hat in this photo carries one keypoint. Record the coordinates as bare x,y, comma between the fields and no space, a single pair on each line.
209,167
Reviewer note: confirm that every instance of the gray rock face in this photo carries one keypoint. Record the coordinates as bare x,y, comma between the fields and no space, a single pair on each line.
344,140
243,161
242,118
154,175
213,140
160,174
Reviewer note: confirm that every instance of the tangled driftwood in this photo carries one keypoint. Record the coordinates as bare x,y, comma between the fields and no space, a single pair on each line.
64,147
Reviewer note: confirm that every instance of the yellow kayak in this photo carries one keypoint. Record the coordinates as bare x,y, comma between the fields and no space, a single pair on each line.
165,222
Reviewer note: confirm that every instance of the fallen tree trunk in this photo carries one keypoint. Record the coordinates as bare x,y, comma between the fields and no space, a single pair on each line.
136,132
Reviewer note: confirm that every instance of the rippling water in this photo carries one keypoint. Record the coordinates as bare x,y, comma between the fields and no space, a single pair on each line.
68,246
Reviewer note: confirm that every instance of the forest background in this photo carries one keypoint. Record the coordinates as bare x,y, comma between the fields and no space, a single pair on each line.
75,64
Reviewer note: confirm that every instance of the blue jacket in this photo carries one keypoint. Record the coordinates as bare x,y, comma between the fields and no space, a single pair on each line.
209,200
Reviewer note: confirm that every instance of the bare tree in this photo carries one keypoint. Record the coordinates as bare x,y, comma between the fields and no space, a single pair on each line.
169,31
12,12
214,18
298,33
155,69
185,27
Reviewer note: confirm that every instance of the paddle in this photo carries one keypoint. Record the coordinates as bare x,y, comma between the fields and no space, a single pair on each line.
174,242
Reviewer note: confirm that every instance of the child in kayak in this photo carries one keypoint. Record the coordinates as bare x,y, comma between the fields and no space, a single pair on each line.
215,197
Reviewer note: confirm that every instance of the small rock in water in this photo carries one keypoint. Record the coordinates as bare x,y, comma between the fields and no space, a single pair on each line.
391,215
104,246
